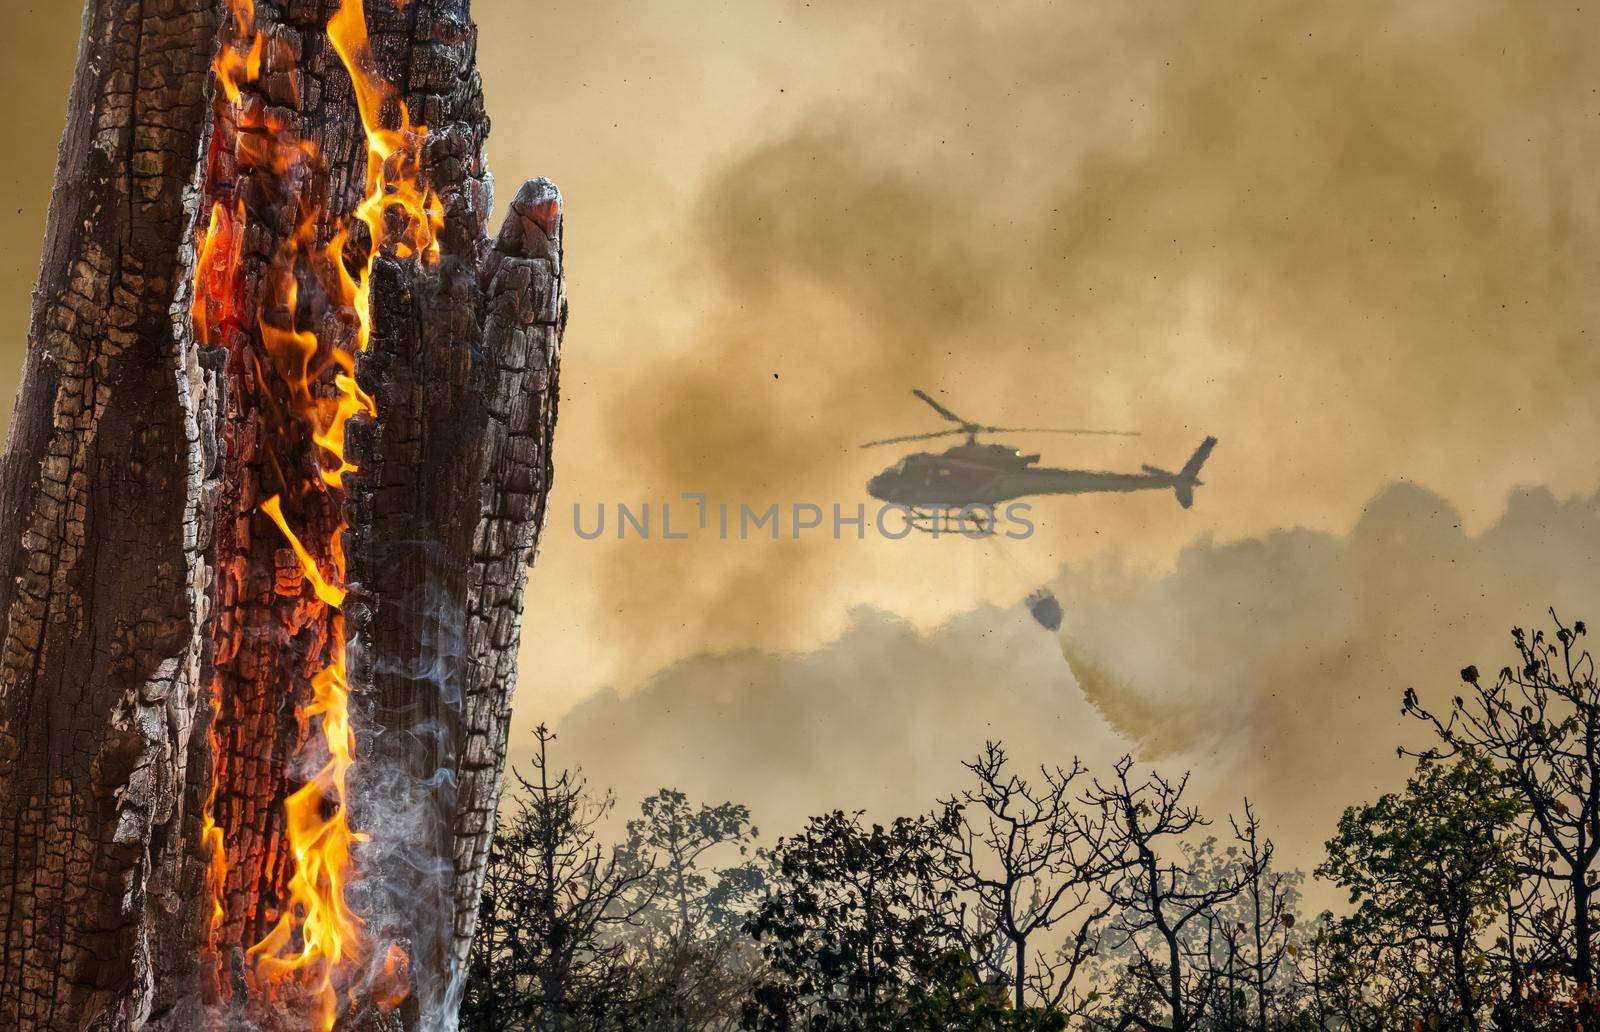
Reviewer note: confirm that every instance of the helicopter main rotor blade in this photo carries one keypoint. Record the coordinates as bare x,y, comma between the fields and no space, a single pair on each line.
1055,430
910,437
946,413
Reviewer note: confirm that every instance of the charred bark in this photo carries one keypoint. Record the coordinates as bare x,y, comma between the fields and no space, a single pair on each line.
99,546
158,638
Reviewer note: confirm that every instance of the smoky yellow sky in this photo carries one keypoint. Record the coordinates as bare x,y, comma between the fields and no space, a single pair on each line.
1355,240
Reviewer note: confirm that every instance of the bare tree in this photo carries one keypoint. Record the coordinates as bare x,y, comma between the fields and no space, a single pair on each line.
1035,861
544,958
1165,911
1331,972
1256,926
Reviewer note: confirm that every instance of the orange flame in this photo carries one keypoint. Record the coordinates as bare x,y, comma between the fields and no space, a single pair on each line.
236,67
211,838
317,935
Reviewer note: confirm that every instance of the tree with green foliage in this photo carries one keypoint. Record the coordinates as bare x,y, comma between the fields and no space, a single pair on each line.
1429,870
949,996
1538,724
691,961
856,914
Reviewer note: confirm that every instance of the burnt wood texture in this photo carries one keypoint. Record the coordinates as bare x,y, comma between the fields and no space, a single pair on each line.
149,613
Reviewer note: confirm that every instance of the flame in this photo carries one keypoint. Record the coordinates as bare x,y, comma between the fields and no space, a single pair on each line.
317,940
318,928
235,67
395,199
332,594
211,839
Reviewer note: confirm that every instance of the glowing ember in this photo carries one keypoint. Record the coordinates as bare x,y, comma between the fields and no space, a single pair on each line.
316,949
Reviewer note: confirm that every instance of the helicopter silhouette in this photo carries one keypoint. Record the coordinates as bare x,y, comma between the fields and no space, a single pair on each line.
976,475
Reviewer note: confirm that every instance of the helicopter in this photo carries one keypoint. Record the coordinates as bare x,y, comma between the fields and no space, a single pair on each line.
974,475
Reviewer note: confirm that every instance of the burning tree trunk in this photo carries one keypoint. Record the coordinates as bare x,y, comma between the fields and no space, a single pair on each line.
279,461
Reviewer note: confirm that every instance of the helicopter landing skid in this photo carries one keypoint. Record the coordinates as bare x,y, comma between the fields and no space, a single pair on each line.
972,521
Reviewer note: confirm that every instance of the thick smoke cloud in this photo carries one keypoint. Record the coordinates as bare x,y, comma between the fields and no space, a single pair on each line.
1273,665
1349,239
1352,239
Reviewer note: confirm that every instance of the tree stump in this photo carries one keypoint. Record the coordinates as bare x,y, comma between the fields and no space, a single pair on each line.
279,463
